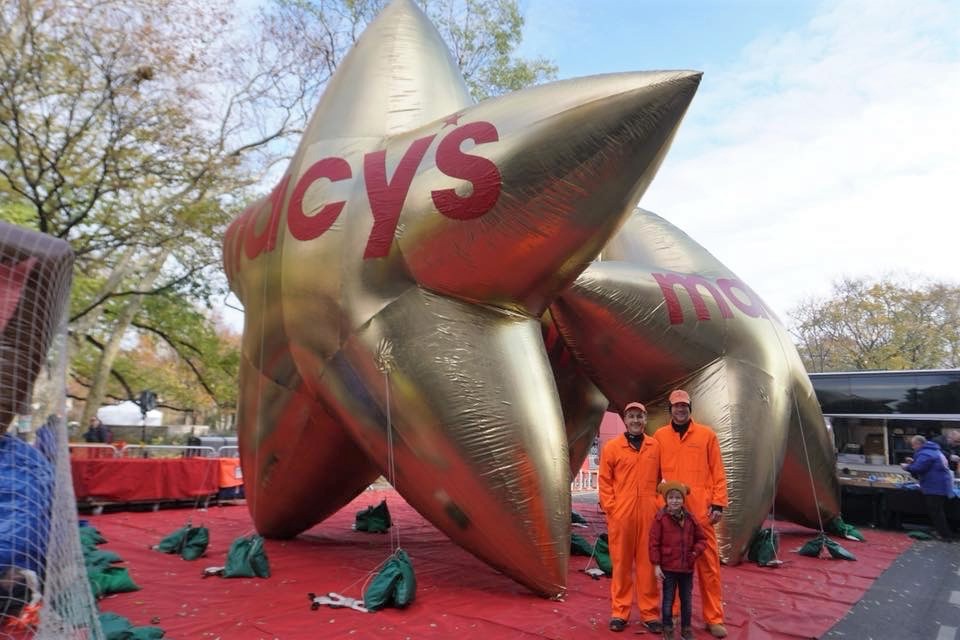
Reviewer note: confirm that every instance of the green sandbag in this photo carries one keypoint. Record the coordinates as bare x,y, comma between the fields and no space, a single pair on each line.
247,558
116,627
172,542
576,518
812,548
579,546
920,535
90,535
90,538
395,585
374,519
111,579
195,543
840,528
100,558
601,553
763,547
189,541
837,551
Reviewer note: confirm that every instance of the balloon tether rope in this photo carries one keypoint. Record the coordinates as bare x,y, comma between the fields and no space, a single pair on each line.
385,363
803,437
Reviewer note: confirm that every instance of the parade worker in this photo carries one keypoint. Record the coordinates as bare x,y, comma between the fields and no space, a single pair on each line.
932,470
690,454
628,477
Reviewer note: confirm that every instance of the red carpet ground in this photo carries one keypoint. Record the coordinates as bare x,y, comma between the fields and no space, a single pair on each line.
457,596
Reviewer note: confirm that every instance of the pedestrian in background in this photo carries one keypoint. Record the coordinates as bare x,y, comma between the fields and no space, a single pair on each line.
949,442
95,432
930,468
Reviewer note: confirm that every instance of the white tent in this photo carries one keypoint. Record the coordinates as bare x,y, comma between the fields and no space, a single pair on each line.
127,414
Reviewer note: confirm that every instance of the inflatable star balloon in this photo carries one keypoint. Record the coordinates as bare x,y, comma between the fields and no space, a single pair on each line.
658,312
394,280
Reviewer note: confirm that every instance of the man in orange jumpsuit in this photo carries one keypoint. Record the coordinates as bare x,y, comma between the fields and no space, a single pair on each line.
690,454
628,478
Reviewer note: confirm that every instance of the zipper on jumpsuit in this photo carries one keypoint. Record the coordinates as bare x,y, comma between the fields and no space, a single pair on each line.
636,530
683,522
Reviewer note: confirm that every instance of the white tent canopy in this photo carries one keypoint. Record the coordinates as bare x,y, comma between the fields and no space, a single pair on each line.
127,414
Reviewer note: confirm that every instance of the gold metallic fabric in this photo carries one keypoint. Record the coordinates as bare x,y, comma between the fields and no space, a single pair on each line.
394,283
658,312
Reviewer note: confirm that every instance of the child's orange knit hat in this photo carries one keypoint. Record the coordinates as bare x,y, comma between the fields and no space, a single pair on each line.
672,485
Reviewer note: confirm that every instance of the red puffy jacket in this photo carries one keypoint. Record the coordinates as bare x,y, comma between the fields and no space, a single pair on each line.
673,546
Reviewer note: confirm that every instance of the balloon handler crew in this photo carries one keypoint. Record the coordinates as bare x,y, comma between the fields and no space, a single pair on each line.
628,478
690,453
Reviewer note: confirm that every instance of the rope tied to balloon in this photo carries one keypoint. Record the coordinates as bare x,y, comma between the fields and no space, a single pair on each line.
764,545
392,582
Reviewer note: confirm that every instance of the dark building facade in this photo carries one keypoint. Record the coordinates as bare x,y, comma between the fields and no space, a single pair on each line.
874,413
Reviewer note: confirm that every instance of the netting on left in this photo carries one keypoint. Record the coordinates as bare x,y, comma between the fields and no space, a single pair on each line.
44,591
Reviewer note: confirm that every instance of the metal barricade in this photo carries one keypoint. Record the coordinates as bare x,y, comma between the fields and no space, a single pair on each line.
585,481
166,451
228,451
93,450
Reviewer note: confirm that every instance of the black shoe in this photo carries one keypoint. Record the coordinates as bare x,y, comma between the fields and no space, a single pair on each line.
618,624
653,626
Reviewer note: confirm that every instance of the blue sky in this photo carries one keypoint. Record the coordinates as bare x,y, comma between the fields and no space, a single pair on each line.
823,142
625,35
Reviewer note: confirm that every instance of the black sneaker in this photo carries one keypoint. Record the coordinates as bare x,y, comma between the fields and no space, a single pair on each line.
653,626
618,624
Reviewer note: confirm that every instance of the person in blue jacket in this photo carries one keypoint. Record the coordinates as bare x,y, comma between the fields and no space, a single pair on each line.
46,438
929,466
26,495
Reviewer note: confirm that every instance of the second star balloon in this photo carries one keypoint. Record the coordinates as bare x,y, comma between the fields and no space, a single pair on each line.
659,312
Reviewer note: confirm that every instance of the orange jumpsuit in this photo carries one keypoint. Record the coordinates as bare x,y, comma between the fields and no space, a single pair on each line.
628,481
695,461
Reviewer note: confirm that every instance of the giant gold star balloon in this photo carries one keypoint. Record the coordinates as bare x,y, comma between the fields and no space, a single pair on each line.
394,281
658,312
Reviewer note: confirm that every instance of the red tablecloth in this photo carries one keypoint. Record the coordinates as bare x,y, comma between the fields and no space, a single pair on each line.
133,479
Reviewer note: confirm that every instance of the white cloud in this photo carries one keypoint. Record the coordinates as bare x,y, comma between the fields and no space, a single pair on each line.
829,150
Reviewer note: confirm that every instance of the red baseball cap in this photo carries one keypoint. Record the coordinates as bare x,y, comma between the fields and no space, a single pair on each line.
679,396
634,405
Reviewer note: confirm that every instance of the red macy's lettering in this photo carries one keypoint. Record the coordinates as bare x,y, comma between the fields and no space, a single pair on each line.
386,195
742,297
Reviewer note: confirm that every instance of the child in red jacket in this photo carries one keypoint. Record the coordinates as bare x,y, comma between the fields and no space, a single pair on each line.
676,540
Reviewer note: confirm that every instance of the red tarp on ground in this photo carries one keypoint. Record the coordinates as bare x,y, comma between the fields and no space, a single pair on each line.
139,479
457,596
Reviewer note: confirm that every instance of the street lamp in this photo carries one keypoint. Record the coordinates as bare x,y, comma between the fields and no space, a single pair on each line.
147,402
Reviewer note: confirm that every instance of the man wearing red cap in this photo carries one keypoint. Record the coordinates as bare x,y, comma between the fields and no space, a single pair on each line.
628,477
690,454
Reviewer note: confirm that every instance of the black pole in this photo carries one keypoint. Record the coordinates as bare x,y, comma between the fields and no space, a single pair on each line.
147,401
